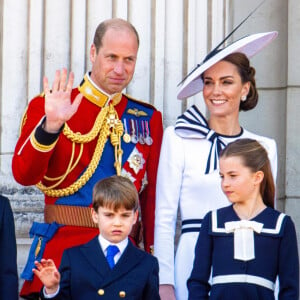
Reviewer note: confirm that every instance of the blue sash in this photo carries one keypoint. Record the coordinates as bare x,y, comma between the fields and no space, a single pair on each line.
42,233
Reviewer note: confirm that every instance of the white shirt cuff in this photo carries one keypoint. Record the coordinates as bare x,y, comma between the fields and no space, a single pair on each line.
49,296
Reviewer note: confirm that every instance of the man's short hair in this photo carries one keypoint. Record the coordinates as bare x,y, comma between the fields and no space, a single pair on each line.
115,23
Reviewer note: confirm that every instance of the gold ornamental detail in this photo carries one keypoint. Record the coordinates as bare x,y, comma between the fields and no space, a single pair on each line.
112,128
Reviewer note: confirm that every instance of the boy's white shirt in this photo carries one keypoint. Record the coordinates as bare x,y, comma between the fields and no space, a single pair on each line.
104,243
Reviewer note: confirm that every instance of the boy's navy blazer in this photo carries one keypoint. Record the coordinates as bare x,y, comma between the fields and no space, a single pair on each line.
85,274
8,252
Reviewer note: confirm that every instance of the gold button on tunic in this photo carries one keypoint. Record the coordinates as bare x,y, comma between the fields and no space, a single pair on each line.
122,294
100,292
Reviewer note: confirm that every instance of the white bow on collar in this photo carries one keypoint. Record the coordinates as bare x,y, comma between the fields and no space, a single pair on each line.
243,237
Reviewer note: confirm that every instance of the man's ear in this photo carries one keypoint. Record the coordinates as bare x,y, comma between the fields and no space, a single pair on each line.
93,53
95,216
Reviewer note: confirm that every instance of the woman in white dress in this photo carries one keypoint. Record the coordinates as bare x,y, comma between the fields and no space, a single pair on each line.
188,176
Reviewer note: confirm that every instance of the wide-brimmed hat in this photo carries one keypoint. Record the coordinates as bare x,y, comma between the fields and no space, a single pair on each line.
249,45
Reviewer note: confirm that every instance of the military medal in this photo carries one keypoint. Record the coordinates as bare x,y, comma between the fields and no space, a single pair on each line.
126,136
136,161
141,139
134,138
148,138
111,120
141,134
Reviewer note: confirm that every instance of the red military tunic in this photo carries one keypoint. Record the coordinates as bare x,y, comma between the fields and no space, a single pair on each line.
39,158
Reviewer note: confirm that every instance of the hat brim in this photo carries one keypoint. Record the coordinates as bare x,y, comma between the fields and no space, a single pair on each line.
249,45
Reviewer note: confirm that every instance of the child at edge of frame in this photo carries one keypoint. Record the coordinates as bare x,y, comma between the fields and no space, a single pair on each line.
248,243
91,270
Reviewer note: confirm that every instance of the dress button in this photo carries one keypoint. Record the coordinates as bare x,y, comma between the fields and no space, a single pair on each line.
122,294
100,292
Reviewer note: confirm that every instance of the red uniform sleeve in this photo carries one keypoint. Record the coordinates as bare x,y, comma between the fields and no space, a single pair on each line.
30,162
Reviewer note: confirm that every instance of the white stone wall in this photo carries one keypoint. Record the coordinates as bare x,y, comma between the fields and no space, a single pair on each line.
292,178
39,36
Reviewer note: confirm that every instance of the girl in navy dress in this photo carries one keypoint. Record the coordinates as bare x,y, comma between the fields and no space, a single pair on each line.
247,244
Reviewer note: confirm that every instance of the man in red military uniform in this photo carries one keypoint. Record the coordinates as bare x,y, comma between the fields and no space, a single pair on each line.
71,138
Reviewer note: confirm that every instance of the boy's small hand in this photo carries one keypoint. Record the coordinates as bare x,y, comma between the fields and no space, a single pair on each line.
47,272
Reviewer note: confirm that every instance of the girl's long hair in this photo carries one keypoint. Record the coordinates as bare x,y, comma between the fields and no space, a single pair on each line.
255,157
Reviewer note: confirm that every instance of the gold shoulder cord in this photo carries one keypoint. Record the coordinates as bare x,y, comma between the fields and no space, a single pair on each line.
113,127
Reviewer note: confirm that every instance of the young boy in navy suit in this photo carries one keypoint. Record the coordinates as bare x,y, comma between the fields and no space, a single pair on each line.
86,272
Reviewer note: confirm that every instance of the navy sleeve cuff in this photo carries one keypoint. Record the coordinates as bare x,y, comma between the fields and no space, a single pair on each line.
44,137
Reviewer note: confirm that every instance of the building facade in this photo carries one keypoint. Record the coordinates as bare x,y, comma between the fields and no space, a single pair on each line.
38,37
